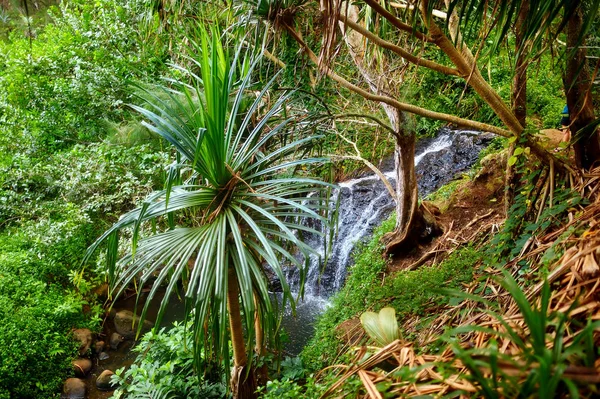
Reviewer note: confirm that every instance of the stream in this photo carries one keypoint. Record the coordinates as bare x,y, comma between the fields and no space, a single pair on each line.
363,204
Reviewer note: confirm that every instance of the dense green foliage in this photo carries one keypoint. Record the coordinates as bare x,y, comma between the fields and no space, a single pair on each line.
66,86
51,212
544,100
60,88
74,157
165,368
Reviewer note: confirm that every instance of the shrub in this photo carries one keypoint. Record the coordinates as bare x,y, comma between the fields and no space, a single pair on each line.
57,89
165,366
35,346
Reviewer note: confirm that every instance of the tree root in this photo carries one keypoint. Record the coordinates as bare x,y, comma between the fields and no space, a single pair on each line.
422,228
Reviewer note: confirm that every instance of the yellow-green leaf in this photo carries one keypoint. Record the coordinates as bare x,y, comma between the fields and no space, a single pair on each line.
382,327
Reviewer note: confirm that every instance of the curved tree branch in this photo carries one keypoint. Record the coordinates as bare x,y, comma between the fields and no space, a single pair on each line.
396,22
399,50
413,109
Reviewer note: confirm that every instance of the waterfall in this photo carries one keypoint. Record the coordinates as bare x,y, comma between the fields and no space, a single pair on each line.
363,204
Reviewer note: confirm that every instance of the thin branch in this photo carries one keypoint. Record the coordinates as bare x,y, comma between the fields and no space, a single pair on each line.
384,179
373,118
374,168
395,103
399,50
274,59
396,22
436,13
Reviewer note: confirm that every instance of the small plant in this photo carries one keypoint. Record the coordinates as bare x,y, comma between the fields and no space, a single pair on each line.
382,327
164,369
546,365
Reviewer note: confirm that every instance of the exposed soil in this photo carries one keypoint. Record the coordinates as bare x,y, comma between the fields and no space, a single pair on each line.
472,211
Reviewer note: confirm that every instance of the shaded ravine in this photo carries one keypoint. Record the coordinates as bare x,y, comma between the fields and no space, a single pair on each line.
122,356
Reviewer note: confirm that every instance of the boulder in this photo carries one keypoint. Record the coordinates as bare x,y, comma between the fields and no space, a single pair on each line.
84,337
126,324
103,381
115,340
74,388
99,346
82,367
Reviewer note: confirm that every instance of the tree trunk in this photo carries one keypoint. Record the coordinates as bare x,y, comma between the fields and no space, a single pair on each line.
519,102
464,61
243,384
579,98
262,373
410,224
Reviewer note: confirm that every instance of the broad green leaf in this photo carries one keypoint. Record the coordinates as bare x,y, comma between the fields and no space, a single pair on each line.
382,327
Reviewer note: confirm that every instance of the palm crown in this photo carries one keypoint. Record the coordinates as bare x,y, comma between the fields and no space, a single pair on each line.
239,209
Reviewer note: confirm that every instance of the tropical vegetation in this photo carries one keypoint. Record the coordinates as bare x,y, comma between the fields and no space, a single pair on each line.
167,150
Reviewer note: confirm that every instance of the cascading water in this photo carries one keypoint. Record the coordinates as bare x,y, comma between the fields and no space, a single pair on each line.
363,204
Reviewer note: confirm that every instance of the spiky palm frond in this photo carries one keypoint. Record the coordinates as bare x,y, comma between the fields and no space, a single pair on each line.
494,21
247,211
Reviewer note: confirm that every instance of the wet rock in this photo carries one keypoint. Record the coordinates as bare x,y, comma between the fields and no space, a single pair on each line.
74,388
456,152
99,346
84,336
82,367
103,356
103,381
115,340
126,324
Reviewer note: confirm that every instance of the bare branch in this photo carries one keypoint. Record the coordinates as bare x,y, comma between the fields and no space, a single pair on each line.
436,13
413,109
396,22
398,50
374,168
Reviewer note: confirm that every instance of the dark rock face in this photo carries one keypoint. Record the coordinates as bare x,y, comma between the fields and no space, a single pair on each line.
85,337
126,324
103,381
438,168
364,202
74,388
82,367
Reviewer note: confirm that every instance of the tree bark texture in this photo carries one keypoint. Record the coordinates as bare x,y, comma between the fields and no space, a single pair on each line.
413,223
409,218
579,97
243,384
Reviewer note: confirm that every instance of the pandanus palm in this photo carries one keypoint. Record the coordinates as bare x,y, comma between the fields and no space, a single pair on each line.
240,209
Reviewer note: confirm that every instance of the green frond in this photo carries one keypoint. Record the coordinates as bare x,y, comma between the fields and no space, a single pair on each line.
237,207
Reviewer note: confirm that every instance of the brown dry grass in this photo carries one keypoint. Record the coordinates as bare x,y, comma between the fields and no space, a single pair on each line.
574,280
